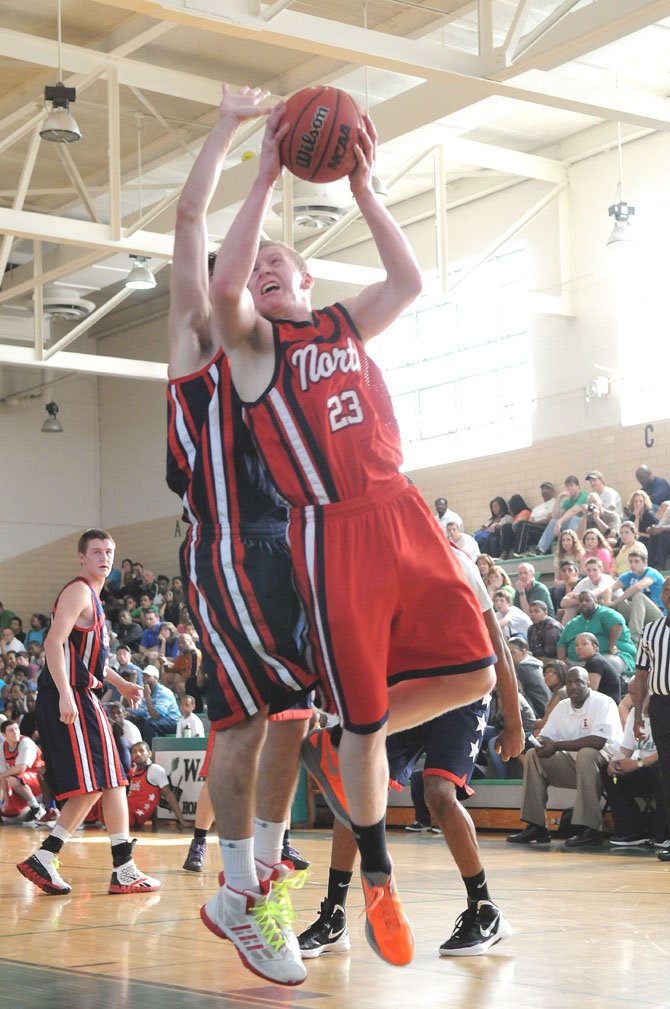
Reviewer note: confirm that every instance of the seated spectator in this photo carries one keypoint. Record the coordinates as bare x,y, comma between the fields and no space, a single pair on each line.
544,631
569,576
659,538
499,516
485,562
149,639
6,617
444,515
162,587
572,753
512,620
189,724
627,542
567,512
157,713
634,772
530,675
129,731
568,548
149,584
38,628
528,532
555,673
595,545
147,782
132,604
189,666
656,487
167,641
126,583
170,609
16,626
641,513
20,759
502,540
468,544
640,601
529,590
496,579
146,607
603,675
125,667
9,642
610,498
596,581
499,768
596,516
609,627
128,632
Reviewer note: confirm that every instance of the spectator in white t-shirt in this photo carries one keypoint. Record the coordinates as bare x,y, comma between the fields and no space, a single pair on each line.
512,619
189,724
444,514
468,544
596,581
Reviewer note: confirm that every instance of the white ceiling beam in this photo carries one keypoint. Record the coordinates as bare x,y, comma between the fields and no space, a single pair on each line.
485,28
591,27
516,27
65,230
22,189
542,29
90,364
78,183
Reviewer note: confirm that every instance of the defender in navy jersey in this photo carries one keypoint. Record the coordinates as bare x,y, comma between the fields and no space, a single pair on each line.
82,762
238,583
371,566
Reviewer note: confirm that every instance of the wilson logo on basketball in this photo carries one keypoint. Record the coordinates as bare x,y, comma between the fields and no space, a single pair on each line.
310,138
314,364
341,146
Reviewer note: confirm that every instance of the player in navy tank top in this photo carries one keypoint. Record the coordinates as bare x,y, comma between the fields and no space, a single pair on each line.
372,573
238,582
82,762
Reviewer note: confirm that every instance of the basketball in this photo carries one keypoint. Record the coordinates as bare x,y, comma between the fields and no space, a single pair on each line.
324,123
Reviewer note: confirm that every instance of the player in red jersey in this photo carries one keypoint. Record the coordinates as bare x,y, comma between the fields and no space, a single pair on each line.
75,735
20,760
390,615
237,576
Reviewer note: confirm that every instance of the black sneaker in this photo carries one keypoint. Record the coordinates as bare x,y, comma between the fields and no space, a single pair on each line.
629,841
290,854
419,828
328,934
32,816
532,834
476,930
195,860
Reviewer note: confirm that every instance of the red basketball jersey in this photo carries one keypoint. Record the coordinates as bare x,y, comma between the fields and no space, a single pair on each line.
325,426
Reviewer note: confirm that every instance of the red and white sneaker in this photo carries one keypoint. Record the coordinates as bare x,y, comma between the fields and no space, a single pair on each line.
48,818
127,878
43,872
258,928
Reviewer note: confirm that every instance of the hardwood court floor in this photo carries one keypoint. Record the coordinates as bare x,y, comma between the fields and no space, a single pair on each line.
591,931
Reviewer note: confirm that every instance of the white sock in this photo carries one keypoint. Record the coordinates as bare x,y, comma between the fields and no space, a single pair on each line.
239,868
119,839
60,832
268,841
32,802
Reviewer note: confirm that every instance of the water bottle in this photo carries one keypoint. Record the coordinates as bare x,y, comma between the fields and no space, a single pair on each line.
186,732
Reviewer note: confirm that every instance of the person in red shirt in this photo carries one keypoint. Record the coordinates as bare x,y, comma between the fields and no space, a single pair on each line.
20,760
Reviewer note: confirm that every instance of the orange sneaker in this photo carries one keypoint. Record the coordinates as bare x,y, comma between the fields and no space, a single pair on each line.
322,761
386,927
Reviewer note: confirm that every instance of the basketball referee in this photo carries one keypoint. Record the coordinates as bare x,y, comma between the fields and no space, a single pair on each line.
652,674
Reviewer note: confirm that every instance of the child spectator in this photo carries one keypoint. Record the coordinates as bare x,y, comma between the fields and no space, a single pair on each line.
189,725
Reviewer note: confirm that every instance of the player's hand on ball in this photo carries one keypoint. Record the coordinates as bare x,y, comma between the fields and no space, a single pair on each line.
275,131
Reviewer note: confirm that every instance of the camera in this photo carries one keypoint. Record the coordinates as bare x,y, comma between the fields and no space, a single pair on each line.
591,508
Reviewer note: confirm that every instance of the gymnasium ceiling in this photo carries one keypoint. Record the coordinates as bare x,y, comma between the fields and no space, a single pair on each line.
483,94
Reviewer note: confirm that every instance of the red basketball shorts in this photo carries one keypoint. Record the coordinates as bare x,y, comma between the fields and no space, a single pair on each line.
385,600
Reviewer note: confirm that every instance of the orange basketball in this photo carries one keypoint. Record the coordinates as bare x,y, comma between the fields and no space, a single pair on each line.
319,146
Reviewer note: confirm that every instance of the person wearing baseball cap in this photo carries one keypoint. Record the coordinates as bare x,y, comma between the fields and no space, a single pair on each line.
528,533
610,498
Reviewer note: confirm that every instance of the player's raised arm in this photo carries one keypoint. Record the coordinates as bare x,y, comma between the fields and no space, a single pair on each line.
375,308
192,339
233,305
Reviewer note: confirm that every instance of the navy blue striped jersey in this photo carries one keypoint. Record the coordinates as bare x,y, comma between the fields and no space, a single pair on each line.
211,461
86,649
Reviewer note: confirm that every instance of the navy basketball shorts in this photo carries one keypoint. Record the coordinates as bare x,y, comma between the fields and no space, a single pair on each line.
239,592
451,743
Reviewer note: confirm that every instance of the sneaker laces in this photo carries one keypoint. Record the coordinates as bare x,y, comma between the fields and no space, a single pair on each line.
280,898
269,918
462,920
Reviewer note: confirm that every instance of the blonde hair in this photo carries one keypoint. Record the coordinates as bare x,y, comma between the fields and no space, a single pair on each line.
293,253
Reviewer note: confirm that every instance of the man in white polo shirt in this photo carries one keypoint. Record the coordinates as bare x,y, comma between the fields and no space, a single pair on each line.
572,752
